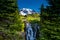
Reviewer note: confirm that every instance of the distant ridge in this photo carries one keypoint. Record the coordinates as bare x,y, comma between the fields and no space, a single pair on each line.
25,11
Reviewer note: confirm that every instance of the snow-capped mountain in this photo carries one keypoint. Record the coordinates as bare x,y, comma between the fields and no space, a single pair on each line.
26,11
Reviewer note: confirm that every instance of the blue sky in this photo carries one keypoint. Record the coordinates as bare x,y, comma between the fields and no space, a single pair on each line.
32,4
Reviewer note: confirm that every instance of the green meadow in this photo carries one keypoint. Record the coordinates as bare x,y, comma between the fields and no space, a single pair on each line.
30,18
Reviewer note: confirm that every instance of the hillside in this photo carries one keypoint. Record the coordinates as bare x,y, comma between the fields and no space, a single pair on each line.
30,18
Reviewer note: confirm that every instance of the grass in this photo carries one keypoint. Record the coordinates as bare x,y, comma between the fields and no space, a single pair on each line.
29,18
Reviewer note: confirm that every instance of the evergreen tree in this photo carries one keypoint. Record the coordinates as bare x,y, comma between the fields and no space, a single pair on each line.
50,26
9,17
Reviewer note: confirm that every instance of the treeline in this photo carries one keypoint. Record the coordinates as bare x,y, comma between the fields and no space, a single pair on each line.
50,21
10,23
9,20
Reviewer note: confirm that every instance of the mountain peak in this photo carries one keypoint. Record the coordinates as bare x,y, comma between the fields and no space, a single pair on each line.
25,11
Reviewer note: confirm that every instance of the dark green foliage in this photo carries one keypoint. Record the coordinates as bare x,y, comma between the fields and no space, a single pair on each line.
50,24
7,6
9,18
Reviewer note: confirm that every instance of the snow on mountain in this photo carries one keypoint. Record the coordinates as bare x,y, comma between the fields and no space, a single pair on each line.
26,11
